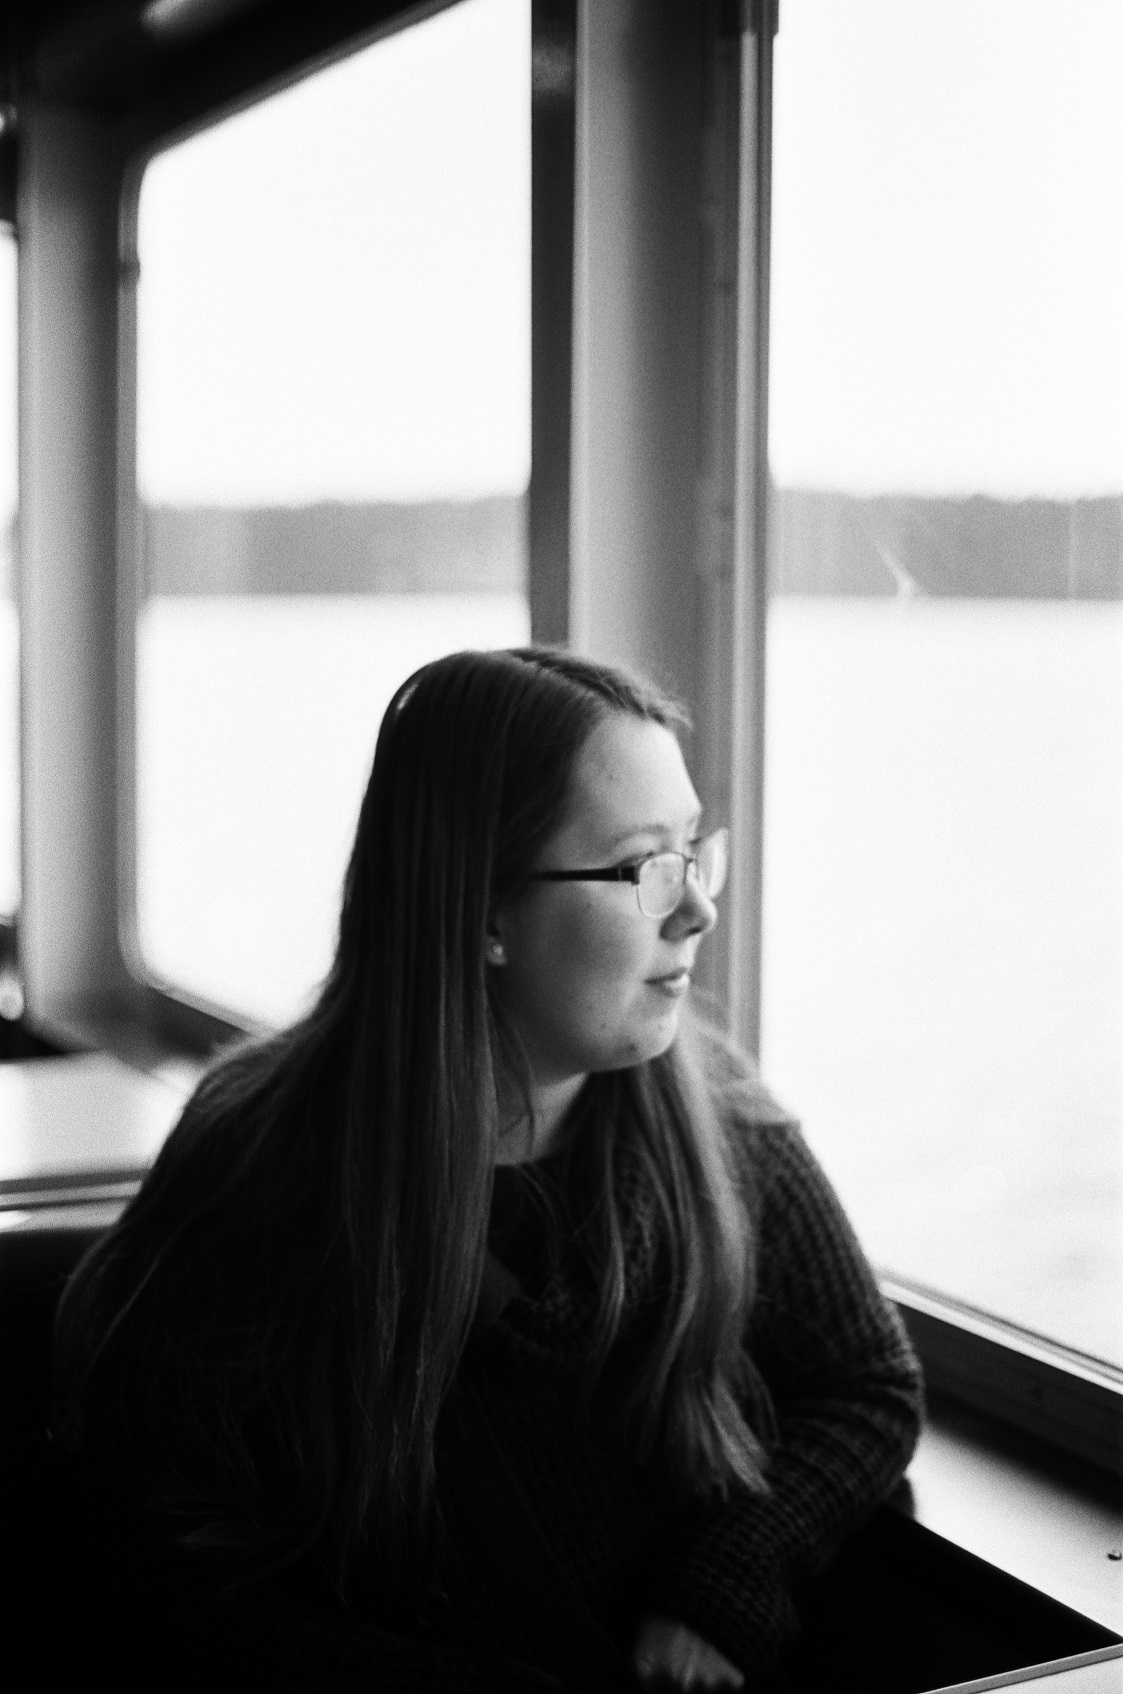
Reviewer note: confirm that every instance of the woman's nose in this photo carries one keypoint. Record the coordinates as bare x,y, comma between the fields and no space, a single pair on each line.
695,913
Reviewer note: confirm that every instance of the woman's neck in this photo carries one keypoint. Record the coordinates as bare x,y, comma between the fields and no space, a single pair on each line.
519,1142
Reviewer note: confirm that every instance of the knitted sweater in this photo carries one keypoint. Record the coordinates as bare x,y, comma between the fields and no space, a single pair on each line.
836,1406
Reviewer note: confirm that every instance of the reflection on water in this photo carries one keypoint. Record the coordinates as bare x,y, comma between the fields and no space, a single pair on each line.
943,935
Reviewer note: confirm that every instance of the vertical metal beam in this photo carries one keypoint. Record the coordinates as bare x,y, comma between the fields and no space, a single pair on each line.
669,477
721,558
635,408
553,51
69,176
130,564
733,561
750,523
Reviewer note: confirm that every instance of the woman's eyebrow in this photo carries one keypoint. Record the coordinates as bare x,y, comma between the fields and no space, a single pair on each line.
663,828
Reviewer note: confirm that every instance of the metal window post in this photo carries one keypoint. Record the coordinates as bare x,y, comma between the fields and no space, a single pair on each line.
669,465
69,176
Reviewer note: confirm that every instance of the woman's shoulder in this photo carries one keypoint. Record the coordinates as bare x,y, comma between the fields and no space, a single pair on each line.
746,1103
236,1104
765,1141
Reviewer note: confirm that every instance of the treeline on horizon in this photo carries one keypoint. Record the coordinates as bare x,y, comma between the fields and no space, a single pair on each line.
823,543
967,548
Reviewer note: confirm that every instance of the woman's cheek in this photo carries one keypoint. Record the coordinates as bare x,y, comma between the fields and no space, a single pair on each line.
607,941
584,965
608,965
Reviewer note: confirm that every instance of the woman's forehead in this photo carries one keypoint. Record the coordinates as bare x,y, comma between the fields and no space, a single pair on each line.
629,778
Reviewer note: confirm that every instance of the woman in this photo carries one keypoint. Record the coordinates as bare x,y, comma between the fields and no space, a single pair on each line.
491,1327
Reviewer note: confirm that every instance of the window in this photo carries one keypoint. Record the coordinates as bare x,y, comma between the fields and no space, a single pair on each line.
333,353
943,908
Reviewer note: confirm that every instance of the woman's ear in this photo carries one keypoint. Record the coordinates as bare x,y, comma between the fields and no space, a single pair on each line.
495,948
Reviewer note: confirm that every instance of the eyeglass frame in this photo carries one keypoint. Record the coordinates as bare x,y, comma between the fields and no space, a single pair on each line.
633,871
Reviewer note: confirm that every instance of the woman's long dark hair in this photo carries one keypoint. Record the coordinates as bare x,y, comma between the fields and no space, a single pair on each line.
278,1316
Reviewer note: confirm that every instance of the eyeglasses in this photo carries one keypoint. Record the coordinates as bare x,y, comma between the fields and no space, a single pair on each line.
660,879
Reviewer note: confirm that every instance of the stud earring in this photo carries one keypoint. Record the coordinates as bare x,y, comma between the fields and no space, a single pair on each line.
497,953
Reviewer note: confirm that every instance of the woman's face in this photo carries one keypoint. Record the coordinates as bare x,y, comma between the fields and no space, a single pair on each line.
589,981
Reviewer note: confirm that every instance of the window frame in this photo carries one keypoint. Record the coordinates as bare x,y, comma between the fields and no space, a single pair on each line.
1036,1385
96,994
173,1013
9,955
1028,1382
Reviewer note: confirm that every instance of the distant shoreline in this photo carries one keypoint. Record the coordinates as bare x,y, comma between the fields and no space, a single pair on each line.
337,548
951,548
823,543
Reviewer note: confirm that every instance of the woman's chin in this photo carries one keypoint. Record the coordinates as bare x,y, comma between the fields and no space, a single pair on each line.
654,1039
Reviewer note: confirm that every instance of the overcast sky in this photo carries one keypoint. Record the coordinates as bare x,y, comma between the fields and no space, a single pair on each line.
334,295
335,286
947,282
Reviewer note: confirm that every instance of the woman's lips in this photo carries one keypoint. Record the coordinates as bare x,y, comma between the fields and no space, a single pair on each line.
673,984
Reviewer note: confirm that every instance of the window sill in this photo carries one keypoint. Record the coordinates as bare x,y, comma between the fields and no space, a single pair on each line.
1044,1519
1038,1386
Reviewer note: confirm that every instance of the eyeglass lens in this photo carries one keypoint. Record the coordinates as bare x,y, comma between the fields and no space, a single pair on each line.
663,877
713,862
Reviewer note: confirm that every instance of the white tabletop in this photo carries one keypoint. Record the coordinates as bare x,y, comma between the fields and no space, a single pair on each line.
1017,1516
82,1118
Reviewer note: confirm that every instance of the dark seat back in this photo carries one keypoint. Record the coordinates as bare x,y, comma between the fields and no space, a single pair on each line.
36,1257
900,1611
38,1250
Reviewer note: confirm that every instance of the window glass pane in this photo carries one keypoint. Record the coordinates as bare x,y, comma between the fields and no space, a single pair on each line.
333,454
9,624
943,920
